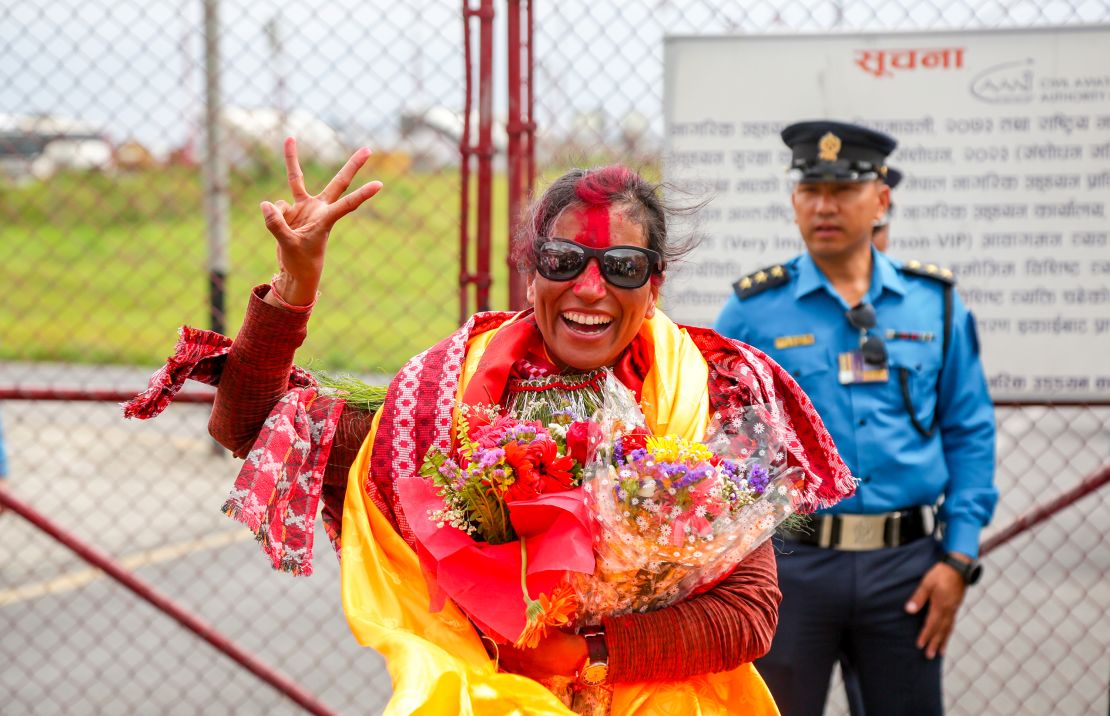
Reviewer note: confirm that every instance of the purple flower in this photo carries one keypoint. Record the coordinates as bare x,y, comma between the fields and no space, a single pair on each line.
523,432
732,470
568,412
486,458
758,478
693,476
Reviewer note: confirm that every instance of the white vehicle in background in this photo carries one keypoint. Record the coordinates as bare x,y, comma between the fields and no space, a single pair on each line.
39,147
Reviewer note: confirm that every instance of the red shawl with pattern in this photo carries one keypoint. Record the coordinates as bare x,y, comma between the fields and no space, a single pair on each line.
277,492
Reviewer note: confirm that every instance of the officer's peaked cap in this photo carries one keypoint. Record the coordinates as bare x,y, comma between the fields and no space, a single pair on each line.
837,151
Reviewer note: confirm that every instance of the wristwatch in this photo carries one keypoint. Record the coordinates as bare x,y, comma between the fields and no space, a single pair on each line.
970,571
596,669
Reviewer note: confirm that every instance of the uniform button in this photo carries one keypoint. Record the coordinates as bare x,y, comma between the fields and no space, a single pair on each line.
863,421
865,478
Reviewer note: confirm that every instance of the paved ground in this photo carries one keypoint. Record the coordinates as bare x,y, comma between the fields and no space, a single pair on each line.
1033,639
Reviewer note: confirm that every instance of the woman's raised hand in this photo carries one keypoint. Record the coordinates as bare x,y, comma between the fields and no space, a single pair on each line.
301,228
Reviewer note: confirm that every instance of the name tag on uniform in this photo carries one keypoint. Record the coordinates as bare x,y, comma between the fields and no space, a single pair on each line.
853,369
805,339
922,336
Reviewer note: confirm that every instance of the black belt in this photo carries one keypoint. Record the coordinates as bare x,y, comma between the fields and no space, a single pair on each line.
857,533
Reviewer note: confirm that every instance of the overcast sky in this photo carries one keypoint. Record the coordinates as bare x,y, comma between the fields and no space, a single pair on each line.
135,69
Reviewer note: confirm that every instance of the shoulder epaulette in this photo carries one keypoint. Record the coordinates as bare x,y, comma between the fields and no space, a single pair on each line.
760,281
932,271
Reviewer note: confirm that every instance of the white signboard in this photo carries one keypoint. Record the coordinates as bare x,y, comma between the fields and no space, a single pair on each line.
1004,141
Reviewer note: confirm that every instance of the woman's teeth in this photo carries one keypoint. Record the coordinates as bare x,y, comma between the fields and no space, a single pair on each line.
586,319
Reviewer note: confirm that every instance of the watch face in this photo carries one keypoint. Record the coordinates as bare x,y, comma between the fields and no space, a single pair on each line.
969,571
595,674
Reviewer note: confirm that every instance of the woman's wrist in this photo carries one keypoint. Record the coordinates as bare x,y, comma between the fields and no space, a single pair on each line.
291,294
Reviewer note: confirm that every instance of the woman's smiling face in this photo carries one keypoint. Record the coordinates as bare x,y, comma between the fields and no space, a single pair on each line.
586,322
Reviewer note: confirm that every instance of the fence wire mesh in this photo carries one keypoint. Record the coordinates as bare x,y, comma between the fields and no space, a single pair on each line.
102,110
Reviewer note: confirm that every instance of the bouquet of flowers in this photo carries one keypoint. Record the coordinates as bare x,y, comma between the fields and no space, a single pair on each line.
582,517
504,516
674,515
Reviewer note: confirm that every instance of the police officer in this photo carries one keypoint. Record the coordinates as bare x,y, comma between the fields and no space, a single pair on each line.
888,353
880,232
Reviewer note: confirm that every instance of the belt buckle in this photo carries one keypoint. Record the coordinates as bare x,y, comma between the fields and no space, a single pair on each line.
860,533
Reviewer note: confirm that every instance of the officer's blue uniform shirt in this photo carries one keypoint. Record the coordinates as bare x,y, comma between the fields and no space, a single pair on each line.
895,465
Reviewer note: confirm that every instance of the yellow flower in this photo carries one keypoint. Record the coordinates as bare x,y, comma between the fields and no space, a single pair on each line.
673,448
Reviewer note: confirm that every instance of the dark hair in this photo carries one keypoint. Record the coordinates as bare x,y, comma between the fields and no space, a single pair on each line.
602,186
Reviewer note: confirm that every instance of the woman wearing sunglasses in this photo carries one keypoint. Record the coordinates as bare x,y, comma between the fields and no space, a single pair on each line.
597,250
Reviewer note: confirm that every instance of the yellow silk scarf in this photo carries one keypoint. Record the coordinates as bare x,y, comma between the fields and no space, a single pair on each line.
437,661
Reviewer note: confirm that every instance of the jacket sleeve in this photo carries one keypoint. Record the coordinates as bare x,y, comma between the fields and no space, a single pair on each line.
729,625
967,433
255,377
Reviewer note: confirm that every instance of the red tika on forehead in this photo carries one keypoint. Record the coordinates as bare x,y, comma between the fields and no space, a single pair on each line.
597,191
594,221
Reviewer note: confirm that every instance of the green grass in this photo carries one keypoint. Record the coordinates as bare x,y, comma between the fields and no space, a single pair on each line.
103,269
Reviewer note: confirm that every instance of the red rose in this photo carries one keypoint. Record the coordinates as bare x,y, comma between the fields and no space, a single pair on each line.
582,438
635,440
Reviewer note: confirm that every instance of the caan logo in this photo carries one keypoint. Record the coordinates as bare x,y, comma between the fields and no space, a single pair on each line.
1008,82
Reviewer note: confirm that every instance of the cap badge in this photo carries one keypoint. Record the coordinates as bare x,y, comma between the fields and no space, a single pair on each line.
829,147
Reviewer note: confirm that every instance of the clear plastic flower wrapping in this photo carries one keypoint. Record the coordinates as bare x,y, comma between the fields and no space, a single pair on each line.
676,516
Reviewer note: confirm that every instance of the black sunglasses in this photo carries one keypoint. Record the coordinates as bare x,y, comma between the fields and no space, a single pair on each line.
622,266
872,347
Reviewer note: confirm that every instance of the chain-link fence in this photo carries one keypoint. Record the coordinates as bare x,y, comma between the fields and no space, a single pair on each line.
111,245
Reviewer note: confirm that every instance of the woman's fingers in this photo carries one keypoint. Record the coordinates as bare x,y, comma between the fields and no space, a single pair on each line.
275,221
293,170
342,180
352,201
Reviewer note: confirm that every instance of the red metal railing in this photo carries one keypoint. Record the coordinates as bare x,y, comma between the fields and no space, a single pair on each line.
1039,514
163,603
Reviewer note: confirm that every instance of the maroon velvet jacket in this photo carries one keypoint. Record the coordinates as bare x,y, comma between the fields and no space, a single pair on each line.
728,625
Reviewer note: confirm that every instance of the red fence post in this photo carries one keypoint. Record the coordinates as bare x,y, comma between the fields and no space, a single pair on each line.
520,151
485,156
514,158
484,151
